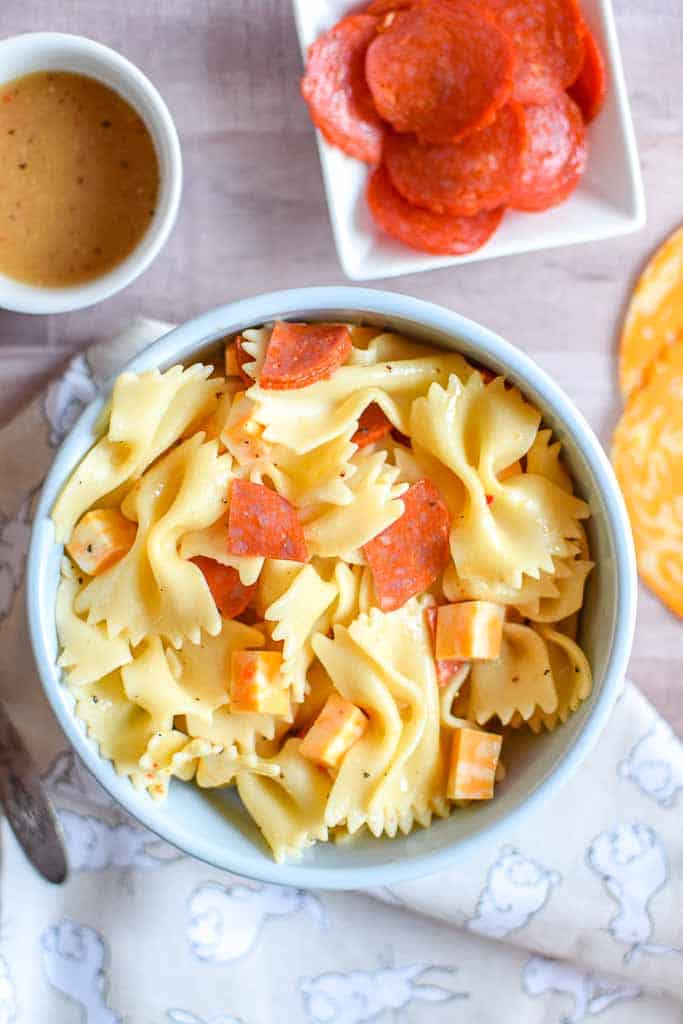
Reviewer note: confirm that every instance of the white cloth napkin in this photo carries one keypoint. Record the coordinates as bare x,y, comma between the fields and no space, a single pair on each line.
578,913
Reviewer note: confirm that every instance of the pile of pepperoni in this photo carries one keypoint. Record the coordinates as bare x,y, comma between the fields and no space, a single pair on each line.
464,108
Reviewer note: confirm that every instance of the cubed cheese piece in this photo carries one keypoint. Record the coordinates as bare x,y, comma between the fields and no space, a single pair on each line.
101,538
257,684
474,758
514,469
469,630
445,670
335,730
231,365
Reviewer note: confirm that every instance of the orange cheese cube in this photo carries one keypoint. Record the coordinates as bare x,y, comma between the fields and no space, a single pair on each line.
100,539
335,730
469,630
257,684
514,469
231,365
474,759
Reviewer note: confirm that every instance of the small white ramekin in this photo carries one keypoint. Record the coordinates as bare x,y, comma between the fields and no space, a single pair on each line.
56,51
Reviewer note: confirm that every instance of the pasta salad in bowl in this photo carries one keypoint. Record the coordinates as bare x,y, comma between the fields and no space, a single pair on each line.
336,578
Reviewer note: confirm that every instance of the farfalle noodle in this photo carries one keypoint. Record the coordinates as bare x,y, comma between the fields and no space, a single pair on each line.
395,773
507,528
520,680
153,589
149,412
289,809
303,419
87,653
340,531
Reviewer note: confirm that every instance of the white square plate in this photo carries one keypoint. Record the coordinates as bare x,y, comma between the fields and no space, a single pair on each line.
608,202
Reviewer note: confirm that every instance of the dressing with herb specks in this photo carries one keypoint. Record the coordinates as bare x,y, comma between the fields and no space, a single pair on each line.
80,179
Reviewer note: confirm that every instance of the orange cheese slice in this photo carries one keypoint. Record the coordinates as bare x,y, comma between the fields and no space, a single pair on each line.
647,453
654,318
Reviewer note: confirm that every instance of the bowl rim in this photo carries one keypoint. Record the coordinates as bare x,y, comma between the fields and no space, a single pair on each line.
20,297
192,336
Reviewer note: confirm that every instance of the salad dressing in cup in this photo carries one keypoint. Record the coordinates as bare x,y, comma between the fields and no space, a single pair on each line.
91,169
80,179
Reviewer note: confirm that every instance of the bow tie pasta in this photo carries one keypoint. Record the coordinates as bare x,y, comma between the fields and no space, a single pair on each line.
332,568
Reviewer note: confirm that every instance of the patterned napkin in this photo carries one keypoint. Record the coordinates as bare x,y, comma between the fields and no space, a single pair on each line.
579,913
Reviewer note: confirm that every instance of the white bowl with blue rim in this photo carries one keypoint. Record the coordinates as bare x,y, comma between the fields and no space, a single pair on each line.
212,824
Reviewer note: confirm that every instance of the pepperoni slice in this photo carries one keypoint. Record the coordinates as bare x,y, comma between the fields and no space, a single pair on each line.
262,523
229,593
555,157
589,89
372,426
381,7
548,39
424,230
300,354
336,91
242,358
464,177
409,555
401,438
445,667
440,71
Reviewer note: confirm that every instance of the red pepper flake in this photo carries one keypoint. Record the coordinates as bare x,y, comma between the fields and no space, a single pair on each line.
489,499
